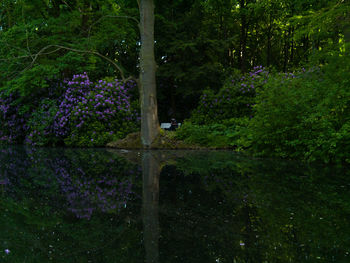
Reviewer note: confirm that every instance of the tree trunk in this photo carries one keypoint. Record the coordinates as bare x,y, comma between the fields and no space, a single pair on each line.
346,32
244,36
148,93
285,52
9,18
268,53
292,47
306,47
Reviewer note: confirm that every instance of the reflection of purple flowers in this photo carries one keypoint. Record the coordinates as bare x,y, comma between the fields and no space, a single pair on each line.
86,182
86,194
3,181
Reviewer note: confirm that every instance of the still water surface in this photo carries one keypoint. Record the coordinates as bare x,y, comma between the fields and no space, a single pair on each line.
99,205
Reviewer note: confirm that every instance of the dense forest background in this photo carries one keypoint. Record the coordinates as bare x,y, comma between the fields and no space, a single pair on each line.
245,73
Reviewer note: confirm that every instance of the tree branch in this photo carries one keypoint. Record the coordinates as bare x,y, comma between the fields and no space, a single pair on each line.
59,47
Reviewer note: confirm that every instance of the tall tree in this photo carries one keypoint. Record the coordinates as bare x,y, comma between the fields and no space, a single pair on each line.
148,93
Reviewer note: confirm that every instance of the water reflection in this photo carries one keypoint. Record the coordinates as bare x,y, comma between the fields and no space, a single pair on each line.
150,203
97,205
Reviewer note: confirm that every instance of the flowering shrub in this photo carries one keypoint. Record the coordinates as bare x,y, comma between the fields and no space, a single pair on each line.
234,100
260,111
86,114
91,114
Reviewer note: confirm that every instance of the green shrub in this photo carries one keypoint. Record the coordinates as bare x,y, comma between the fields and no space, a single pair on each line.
234,100
306,117
217,135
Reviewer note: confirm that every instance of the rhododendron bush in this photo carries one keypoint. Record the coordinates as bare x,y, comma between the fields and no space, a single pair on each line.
86,113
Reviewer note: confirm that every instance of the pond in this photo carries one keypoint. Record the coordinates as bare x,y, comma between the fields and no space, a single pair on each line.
102,205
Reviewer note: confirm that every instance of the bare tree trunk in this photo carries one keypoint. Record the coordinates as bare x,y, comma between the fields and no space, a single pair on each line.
292,46
269,36
346,32
244,36
285,55
268,53
9,17
148,93
306,47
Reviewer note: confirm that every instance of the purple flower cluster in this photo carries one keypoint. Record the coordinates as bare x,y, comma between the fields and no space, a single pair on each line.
86,104
75,93
256,78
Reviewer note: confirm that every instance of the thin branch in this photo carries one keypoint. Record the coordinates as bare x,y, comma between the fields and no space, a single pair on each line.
59,47
67,5
53,51
98,54
132,78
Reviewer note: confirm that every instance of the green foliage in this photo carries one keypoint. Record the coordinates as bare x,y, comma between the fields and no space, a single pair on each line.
234,100
33,29
96,133
301,115
32,83
227,134
198,45
205,135
306,117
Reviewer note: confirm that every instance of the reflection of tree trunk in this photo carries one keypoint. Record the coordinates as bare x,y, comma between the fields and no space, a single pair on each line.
150,171
249,234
